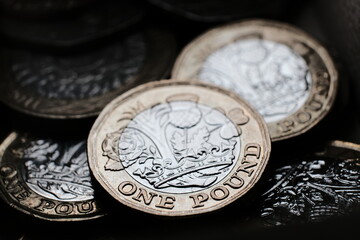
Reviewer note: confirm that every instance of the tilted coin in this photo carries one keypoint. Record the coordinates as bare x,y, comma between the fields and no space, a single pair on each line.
281,71
178,148
47,178
319,186
80,84
97,21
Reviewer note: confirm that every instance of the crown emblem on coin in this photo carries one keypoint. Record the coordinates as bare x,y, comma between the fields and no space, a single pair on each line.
184,153
64,173
178,148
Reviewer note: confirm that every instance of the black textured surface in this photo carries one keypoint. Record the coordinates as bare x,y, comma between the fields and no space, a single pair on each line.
99,20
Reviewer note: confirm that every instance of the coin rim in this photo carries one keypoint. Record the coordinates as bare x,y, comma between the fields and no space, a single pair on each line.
92,156
345,144
26,209
320,50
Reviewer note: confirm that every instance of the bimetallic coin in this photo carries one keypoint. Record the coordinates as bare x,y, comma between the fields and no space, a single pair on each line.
286,75
178,148
81,84
46,178
319,186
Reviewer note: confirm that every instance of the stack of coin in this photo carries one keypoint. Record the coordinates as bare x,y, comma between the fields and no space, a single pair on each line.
154,148
126,119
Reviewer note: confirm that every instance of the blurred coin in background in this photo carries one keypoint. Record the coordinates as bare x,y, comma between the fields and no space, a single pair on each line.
280,70
79,84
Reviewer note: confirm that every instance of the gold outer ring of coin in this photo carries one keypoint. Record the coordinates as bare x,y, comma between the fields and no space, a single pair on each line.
109,169
32,103
335,149
15,191
322,68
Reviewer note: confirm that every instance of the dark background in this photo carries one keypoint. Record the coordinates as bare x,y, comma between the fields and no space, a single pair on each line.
336,24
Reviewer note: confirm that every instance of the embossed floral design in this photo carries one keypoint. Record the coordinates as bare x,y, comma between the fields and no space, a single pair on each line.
269,75
131,147
178,144
312,191
58,171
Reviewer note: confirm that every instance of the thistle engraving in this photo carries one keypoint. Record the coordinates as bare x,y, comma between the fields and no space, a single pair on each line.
272,77
58,171
176,147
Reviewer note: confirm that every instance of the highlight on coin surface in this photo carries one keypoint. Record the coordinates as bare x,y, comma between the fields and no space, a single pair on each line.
284,73
47,178
178,148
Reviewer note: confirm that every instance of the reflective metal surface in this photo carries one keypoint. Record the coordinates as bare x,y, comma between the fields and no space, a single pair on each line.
176,148
271,76
286,74
47,178
83,75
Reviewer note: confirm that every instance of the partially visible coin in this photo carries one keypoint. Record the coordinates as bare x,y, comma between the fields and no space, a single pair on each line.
319,186
80,84
98,21
178,148
280,70
47,178
219,11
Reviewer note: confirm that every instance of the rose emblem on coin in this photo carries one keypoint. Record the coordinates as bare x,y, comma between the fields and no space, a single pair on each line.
178,148
177,145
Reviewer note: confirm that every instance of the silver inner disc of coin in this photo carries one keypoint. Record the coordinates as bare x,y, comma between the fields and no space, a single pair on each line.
179,147
58,172
271,76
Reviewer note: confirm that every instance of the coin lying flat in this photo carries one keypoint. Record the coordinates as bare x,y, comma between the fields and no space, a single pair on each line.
47,178
281,71
178,148
80,84
318,187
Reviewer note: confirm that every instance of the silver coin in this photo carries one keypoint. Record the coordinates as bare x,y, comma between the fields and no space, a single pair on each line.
284,73
198,136
271,76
